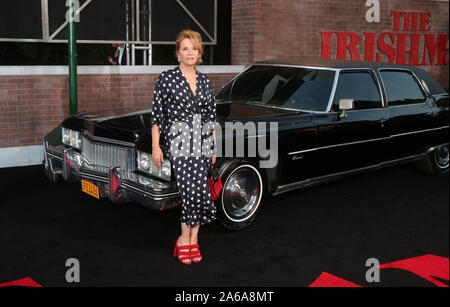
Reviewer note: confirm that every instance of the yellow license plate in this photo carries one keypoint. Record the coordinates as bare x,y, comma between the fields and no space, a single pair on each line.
90,188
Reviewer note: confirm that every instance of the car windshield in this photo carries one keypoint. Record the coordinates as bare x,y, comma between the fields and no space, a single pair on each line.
304,89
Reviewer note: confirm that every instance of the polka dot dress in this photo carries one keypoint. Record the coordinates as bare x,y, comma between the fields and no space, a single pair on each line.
181,115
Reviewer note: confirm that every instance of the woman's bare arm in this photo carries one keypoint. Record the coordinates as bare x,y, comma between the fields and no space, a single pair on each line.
157,155
155,136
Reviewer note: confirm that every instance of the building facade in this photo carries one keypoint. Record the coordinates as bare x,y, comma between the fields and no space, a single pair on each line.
412,32
33,100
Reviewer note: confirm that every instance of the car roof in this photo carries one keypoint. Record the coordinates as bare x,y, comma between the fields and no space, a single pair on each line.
330,63
435,87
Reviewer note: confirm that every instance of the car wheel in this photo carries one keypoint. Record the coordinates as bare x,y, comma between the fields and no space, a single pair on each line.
241,196
436,162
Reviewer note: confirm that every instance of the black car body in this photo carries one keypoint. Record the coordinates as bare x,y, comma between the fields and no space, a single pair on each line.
334,118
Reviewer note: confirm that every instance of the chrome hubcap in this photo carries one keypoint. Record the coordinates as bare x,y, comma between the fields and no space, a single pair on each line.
441,156
242,193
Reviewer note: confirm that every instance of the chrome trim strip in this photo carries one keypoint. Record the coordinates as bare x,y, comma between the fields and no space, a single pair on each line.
317,180
366,141
298,66
47,162
382,93
414,132
309,111
444,94
54,156
333,90
92,176
419,131
409,104
106,140
362,110
425,86
154,197
273,107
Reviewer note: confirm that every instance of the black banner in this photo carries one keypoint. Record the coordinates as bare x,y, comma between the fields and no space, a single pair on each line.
169,18
21,19
100,20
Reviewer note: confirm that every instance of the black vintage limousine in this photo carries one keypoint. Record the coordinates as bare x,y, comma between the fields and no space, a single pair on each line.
334,118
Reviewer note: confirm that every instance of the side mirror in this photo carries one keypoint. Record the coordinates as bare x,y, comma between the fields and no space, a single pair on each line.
344,106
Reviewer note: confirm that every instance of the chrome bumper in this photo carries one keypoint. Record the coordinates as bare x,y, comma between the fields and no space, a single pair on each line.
116,184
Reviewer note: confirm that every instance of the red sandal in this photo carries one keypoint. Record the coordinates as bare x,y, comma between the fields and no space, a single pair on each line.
196,254
182,256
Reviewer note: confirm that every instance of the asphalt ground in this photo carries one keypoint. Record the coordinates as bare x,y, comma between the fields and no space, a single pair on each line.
390,214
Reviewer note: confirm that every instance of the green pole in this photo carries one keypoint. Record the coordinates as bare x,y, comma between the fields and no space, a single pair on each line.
73,89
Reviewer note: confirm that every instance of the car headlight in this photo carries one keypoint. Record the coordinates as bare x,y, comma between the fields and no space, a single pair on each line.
71,138
145,164
144,161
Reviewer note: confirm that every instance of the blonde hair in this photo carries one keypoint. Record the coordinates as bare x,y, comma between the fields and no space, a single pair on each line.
196,40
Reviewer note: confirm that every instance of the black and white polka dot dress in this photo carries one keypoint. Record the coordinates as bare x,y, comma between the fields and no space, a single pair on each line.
175,106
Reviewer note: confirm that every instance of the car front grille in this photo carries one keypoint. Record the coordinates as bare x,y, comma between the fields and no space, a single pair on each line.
102,155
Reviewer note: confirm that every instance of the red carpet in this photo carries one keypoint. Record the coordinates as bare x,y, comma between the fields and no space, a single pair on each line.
427,267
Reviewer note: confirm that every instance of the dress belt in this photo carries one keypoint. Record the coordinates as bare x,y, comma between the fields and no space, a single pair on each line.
191,116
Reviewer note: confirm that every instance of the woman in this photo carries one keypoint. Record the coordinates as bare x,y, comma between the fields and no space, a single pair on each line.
183,95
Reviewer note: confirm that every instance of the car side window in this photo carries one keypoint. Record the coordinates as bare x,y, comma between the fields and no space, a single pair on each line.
401,88
359,86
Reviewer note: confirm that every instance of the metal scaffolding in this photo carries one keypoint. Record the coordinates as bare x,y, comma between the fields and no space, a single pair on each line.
138,28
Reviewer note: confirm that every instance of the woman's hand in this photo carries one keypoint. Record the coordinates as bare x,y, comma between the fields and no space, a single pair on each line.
157,156
213,159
